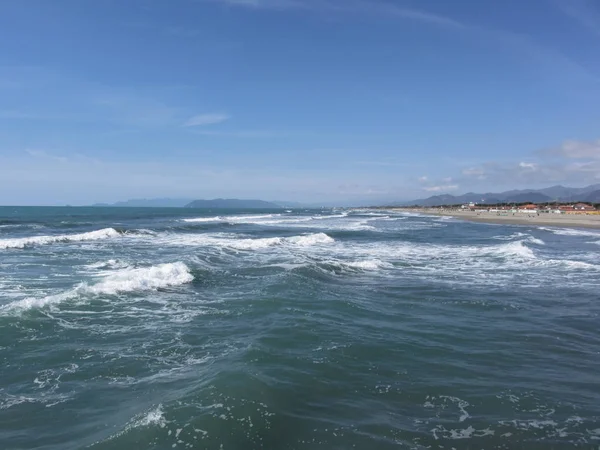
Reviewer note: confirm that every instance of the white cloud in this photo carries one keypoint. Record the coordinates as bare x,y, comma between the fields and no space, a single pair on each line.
548,61
525,165
583,12
440,188
42,154
579,149
348,7
423,179
206,119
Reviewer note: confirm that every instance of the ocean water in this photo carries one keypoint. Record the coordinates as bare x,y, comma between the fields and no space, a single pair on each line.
298,329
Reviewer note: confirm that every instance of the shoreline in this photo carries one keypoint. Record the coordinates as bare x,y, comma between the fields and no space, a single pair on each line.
547,219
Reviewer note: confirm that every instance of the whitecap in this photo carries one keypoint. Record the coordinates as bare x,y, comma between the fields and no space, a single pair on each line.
109,264
570,232
512,249
127,280
153,417
239,219
105,233
233,241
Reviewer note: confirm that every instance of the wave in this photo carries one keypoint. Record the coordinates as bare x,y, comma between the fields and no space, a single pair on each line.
298,241
231,218
31,241
234,241
515,249
331,216
367,264
126,280
110,264
570,232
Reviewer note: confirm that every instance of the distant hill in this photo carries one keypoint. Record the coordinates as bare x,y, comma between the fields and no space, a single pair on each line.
593,197
232,203
533,197
554,193
150,203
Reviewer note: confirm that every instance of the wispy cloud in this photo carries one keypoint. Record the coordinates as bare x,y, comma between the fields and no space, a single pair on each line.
442,188
573,162
206,119
18,115
347,7
577,149
549,61
42,154
132,109
582,11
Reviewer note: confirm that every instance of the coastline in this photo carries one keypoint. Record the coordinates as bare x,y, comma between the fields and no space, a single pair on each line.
544,219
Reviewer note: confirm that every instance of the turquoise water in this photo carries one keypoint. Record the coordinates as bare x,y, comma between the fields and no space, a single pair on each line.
173,328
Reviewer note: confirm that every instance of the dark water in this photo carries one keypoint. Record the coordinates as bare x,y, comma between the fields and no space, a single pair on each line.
136,328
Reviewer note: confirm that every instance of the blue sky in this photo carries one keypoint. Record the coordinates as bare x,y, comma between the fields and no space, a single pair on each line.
330,100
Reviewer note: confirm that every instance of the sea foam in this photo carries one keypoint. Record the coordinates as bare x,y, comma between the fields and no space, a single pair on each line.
127,280
237,243
297,241
105,233
570,232
226,219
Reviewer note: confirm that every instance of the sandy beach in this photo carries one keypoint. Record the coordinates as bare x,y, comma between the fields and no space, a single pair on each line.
549,219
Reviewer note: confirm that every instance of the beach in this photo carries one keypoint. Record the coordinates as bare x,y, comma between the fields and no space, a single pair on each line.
519,218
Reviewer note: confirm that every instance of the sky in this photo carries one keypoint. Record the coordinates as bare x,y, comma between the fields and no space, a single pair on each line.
349,101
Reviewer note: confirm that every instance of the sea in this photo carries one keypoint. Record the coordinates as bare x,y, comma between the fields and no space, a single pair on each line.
141,328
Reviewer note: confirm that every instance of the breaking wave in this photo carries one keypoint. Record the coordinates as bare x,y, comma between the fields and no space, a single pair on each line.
237,243
570,232
105,233
122,281
240,219
299,241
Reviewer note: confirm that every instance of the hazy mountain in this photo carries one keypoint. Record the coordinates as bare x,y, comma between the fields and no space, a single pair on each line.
533,197
593,197
567,193
232,203
554,193
150,203
285,204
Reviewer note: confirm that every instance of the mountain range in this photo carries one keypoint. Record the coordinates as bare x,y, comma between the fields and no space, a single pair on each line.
552,194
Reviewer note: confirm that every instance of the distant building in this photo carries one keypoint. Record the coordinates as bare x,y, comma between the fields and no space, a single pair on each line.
583,207
530,208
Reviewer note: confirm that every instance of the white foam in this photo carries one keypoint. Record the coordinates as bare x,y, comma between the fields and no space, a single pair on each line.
513,249
570,232
310,239
127,280
240,219
534,240
307,240
521,236
203,219
110,264
331,216
143,279
152,417
576,264
105,233
234,241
